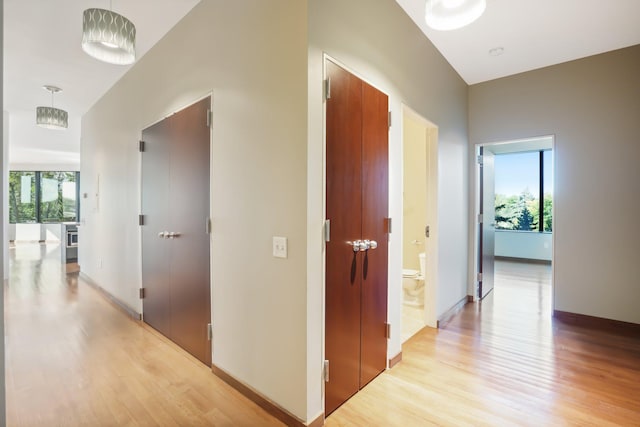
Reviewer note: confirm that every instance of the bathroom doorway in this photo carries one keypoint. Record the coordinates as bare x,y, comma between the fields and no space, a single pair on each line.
419,223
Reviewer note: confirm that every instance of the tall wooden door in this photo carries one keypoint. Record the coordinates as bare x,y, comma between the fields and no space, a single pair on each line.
487,226
357,251
175,239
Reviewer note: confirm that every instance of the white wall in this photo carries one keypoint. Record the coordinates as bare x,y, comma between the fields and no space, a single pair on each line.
252,55
379,42
4,219
524,244
6,120
592,107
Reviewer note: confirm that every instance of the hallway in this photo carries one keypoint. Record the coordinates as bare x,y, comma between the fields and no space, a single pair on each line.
74,359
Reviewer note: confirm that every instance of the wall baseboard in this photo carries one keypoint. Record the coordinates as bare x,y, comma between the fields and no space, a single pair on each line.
600,323
395,360
112,298
266,404
448,315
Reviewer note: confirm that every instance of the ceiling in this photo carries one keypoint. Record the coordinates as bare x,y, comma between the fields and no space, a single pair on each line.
533,34
42,46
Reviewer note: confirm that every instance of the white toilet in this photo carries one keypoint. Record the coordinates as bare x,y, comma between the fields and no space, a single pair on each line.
413,284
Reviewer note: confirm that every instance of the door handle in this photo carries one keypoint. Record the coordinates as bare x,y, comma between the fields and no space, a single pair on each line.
172,235
163,234
370,244
358,246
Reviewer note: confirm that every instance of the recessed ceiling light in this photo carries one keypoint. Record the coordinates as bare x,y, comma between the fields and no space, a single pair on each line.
496,51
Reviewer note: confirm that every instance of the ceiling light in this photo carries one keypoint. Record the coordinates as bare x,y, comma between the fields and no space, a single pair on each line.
50,117
108,36
453,14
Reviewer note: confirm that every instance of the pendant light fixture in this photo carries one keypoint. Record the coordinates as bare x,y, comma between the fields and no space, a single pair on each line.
50,117
446,15
108,36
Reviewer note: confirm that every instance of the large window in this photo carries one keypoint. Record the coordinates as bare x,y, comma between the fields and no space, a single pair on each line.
521,179
43,196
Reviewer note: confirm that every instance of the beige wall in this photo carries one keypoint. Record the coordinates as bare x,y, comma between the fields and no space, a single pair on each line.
592,106
414,197
252,55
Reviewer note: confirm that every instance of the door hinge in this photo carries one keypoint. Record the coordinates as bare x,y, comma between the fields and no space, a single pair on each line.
479,277
141,146
427,231
209,118
480,218
479,160
325,371
207,226
209,331
142,293
389,119
389,225
140,219
387,330
327,89
327,230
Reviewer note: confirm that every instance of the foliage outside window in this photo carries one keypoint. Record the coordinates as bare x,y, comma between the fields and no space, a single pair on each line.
518,182
36,197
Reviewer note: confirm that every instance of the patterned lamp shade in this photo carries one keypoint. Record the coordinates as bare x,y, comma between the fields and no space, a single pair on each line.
446,15
108,36
51,118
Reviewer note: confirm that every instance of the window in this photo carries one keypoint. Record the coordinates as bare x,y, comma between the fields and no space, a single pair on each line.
22,197
36,197
520,179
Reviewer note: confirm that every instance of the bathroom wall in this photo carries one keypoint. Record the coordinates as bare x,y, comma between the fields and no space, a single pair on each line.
414,197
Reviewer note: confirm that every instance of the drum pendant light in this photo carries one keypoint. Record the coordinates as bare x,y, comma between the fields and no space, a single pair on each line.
108,36
50,117
446,15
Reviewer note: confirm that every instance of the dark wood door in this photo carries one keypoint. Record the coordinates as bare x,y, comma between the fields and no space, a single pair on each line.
375,210
487,226
356,205
177,174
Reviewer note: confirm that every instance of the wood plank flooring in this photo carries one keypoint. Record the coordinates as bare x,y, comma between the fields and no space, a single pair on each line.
73,359
504,362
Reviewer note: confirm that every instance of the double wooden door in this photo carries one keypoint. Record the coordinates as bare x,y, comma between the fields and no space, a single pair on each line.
175,239
356,253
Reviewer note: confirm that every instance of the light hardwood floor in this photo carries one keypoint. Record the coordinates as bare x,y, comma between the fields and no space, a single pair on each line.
73,359
504,362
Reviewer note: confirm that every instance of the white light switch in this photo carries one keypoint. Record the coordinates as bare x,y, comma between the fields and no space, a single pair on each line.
279,247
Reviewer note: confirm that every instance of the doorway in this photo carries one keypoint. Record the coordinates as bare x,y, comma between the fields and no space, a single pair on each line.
419,222
175,228
515,206
357,206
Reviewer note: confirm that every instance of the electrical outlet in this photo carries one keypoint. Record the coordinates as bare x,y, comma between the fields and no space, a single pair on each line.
279,247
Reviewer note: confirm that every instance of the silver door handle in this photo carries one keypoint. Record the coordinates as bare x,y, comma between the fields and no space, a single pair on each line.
173,235
370,244
358,245
163,234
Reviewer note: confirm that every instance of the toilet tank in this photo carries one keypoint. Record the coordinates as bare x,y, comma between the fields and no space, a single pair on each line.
423,264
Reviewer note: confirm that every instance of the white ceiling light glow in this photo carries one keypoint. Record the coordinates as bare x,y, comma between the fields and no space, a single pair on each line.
50,117
444,15
108,36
